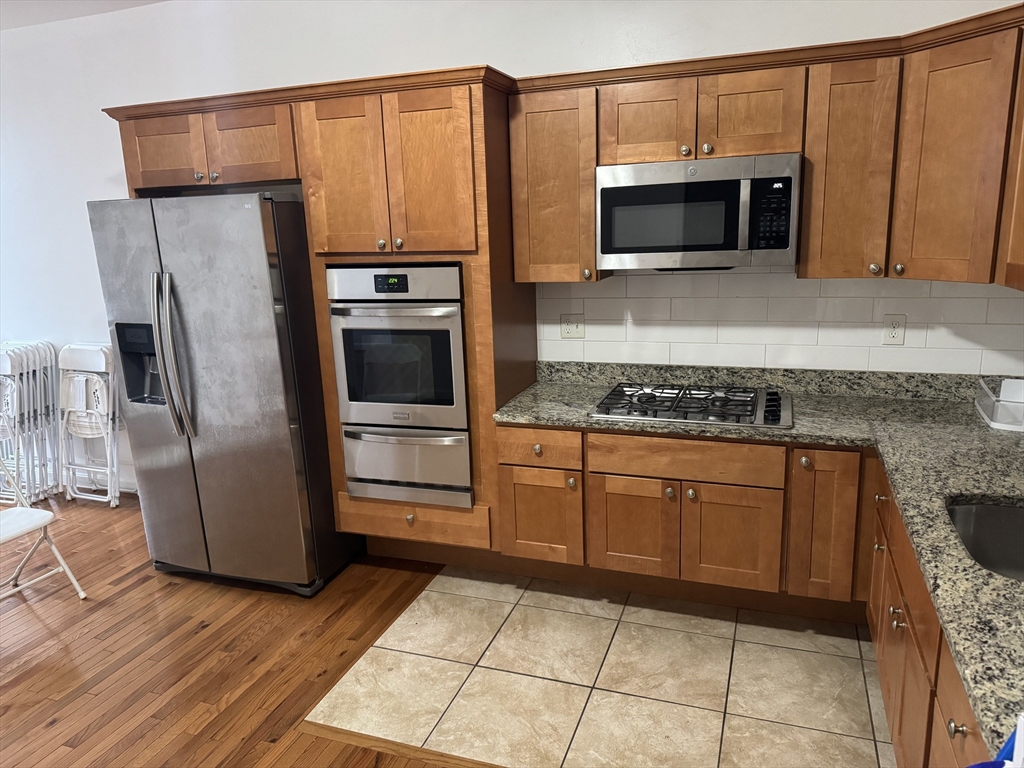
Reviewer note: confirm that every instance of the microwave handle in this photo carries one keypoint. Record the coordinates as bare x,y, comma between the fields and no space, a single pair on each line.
743,230
395,311
368,437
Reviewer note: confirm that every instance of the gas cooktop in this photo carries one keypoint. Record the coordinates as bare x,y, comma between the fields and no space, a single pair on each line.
729,406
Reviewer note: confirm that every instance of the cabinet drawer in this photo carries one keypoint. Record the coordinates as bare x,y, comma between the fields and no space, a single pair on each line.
701,461
924,622
540,448
442,525
951,699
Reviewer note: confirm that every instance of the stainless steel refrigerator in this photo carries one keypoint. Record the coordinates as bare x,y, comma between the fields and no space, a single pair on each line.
210,307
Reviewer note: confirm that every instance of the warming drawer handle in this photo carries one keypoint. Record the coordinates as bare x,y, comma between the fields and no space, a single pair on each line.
367,437
395,312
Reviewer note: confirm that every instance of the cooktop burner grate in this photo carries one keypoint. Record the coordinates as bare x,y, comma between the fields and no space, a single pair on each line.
740,406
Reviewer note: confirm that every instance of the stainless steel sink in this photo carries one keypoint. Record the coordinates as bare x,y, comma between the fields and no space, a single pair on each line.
993,535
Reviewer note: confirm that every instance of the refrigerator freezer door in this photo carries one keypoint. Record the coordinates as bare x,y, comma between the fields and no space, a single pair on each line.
127,256
252,487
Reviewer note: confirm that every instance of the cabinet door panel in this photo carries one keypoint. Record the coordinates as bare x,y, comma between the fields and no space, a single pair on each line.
341,160
647,122
848,167
251,144
953,133
732,536
428,141
911,741
940,748
822,523
890,648
541,514
164,151
1010,258
876,595
751,113
554,154
968,748
633,525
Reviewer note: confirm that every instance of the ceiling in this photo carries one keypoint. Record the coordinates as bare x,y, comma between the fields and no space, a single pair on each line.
27,13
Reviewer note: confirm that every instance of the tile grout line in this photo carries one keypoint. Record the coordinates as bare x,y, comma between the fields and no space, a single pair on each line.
728,688
867,695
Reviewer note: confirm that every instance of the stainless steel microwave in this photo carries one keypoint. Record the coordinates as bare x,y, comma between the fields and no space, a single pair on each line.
698,214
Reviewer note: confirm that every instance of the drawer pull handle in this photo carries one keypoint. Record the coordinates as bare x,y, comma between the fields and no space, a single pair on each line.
955,730
537,449
894,611
879,498
410,518
879,547
897,624
572,482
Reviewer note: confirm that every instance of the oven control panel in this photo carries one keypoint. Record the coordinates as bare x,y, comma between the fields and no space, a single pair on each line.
391,283
770,209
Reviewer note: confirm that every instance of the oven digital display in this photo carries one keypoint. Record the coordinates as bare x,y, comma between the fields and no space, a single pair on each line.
391,283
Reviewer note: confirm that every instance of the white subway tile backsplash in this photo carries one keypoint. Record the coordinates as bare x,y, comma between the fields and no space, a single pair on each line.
817,357
973,290
767,333
867,334
620,352
1006,310
925,360
1004,337
720,309
551,309
738,355
875,287
625,310
672,331
671,285
561,349
933,310
771,284
610,287
832,309
998,362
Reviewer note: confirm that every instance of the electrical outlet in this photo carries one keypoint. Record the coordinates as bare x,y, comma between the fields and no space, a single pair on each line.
572,327
894,328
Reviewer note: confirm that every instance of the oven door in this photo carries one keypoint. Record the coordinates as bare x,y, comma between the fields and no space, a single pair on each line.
674,215
400,364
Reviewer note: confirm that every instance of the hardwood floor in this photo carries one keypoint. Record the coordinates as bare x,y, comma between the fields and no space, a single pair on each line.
160,669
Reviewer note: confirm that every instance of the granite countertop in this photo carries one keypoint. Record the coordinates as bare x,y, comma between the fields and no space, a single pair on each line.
933,450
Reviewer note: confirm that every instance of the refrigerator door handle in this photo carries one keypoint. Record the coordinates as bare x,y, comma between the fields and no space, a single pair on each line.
158,344
173,358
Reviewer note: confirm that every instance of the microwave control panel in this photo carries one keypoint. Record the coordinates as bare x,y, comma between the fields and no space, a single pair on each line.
770,203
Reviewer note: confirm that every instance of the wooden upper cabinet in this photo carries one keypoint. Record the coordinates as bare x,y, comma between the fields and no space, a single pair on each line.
553,146
952,145
751,113
1010,256
823,494
164,152
428,142
341,161
848,167
732,536
647,122
633,524
541,513
250,144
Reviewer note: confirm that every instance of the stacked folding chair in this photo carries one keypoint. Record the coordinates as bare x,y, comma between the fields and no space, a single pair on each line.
29,419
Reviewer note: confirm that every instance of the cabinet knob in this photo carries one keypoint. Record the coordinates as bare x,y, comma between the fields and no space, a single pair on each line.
707,149
537,449
670,493
571,482
899,269
955,730
879,547
897,624
684,151
894,611
214,175
879,497
874,269
410,518
587,274
691,494
382,244
199,175
399,243
804,461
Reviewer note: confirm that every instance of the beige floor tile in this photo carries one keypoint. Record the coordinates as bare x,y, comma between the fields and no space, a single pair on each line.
681,667
797,632
876,705
473,583
747,743
553,644
392,695
717,620
620,730
867,648
886,755
815,690
574,598
510,720
446,626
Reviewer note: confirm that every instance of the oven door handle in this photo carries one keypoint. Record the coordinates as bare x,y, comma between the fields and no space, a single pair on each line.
368,437
395,312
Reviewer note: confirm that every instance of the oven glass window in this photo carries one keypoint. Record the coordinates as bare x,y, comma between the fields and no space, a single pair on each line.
408,367
697,216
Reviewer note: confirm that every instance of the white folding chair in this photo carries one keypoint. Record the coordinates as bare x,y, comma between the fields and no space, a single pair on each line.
17,521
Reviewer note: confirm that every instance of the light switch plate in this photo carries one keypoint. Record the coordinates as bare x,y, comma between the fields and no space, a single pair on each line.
572,327
894,329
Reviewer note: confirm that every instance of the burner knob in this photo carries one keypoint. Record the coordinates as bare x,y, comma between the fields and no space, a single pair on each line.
691,494
537,449
670,493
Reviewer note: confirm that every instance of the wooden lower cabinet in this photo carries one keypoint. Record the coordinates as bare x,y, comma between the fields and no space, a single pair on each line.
910,739
967,745
876,594
633,524
890,650
941,752
541,513
732,536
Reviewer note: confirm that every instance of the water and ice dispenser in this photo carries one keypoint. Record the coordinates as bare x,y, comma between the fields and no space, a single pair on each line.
142,380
